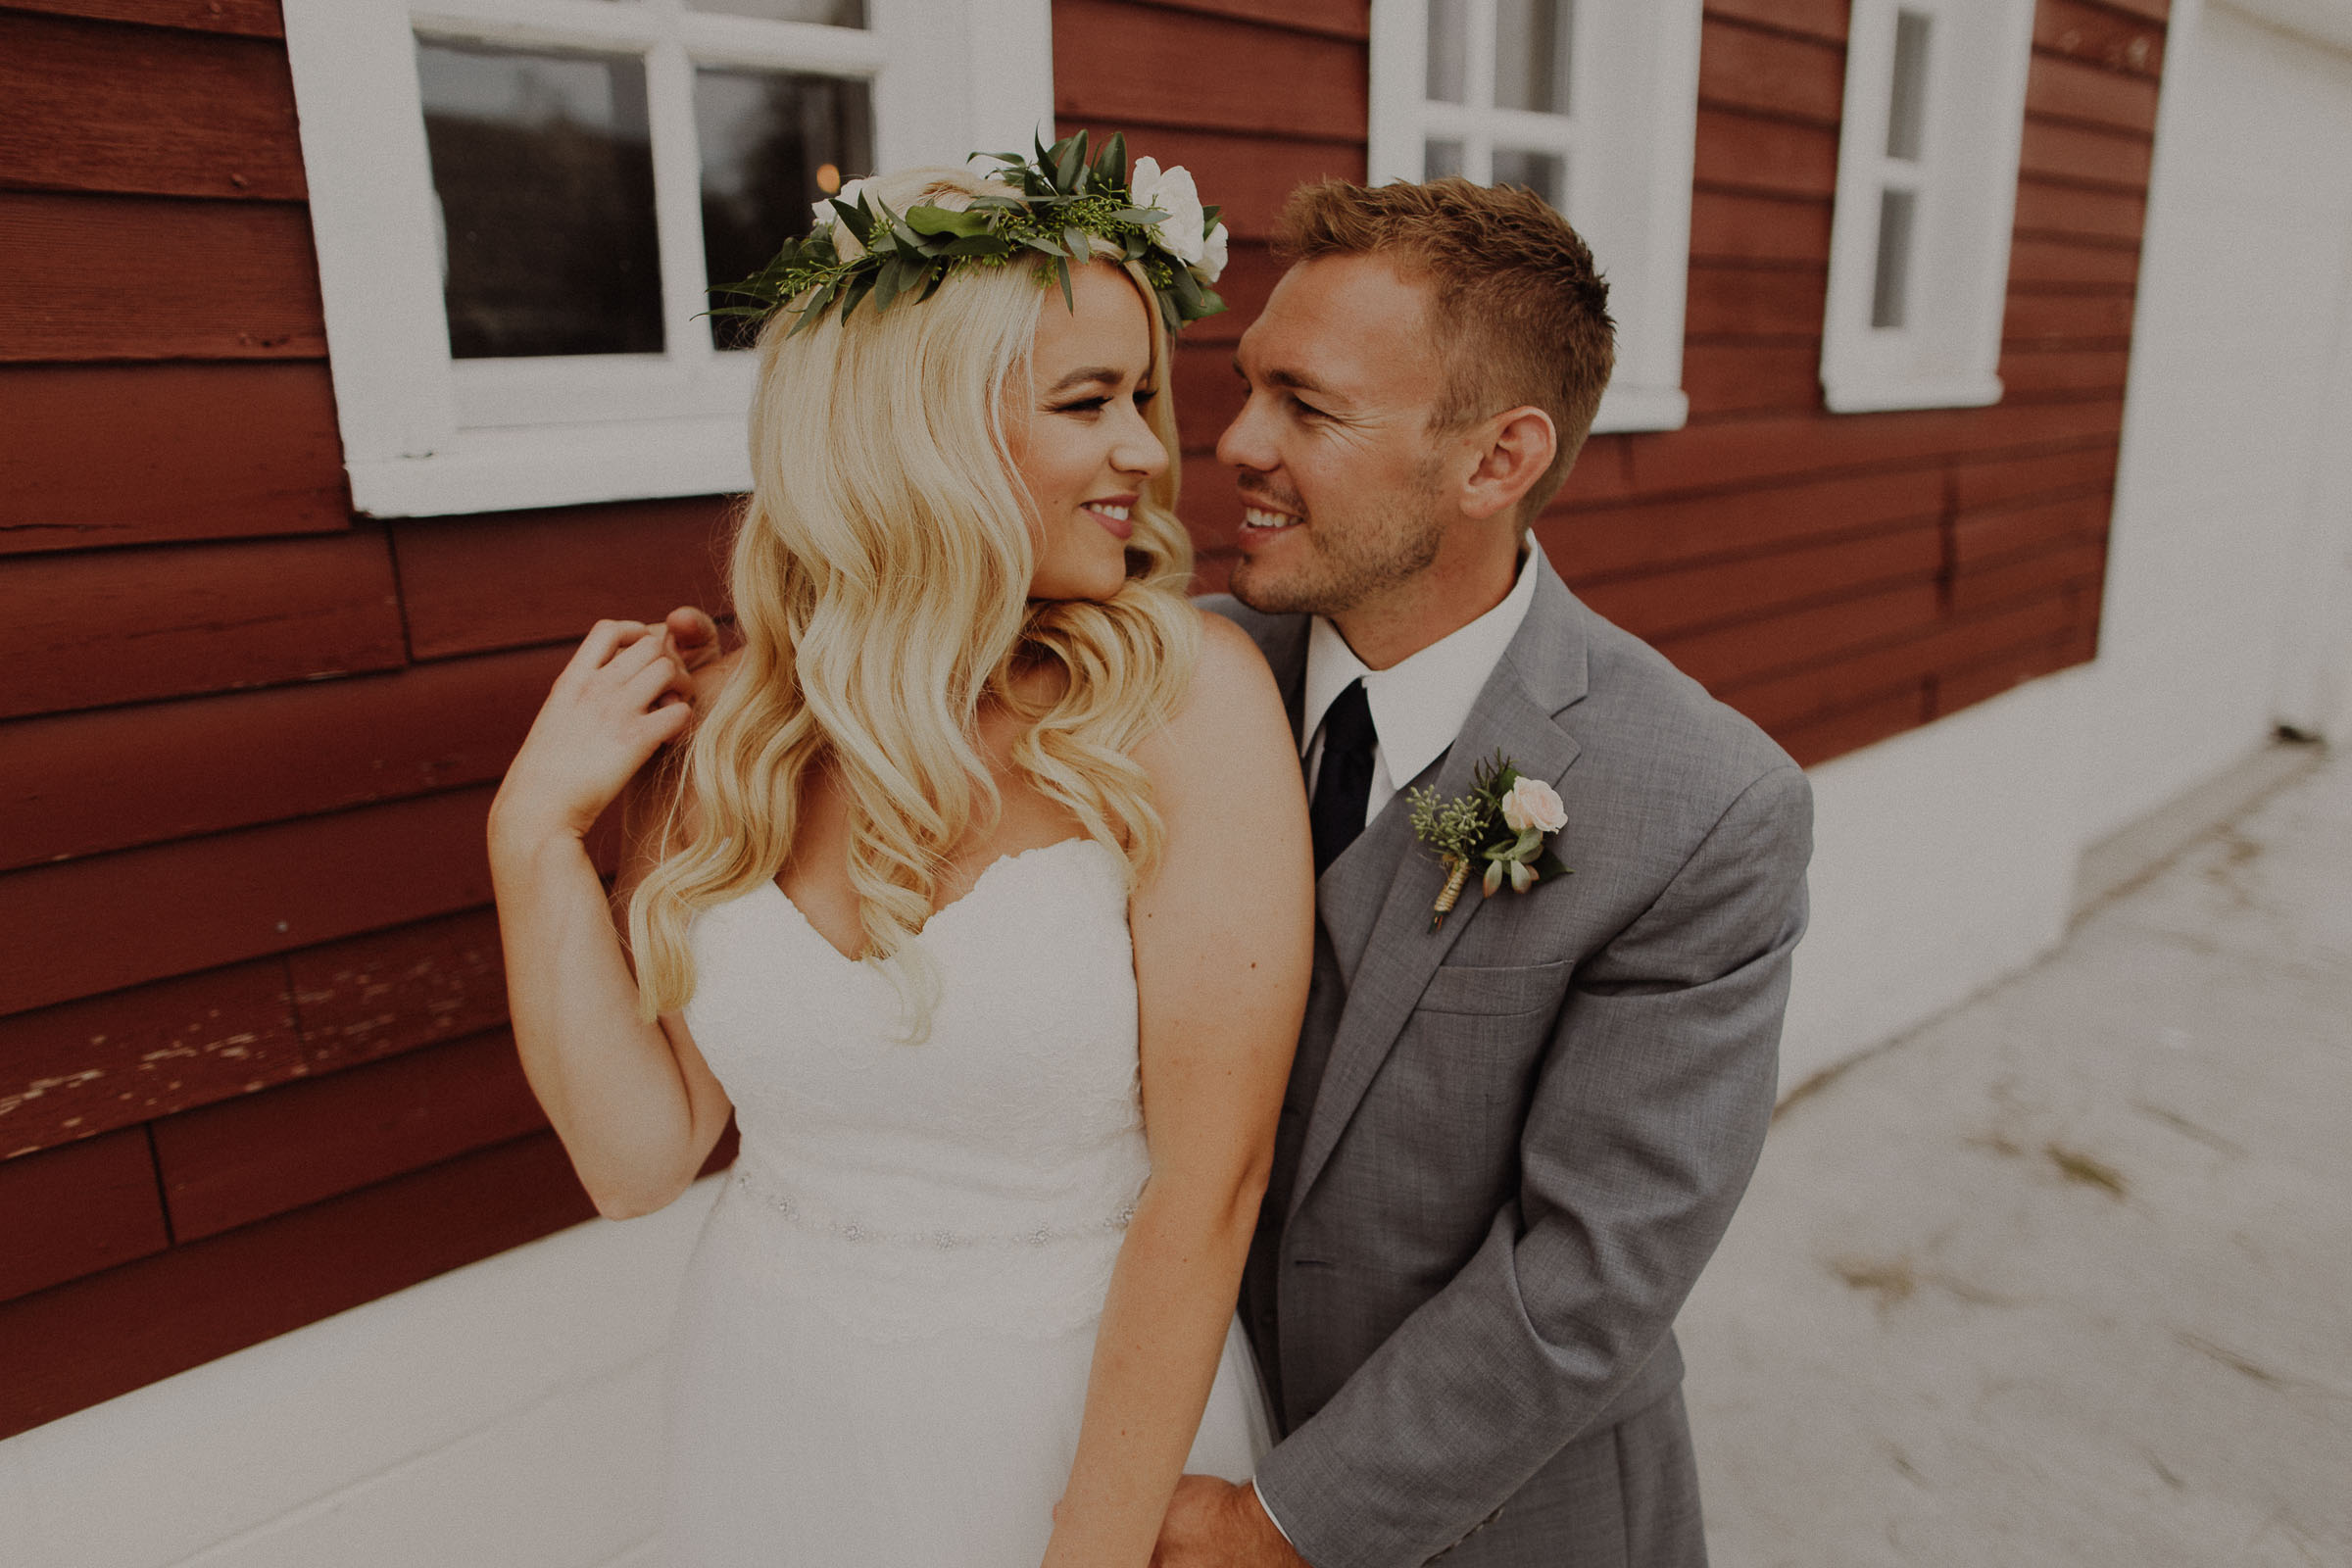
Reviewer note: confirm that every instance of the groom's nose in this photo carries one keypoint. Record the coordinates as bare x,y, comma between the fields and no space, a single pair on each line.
1248,442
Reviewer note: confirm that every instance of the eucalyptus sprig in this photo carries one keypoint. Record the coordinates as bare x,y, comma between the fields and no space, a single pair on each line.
1062,201
1475,828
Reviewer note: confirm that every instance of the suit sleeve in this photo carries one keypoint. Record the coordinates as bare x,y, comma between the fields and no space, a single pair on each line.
1647,1116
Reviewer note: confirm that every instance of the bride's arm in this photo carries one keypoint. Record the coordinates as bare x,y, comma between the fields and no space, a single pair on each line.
1223,947
636,1107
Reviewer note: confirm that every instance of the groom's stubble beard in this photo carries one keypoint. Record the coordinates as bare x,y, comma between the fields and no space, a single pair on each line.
1351,560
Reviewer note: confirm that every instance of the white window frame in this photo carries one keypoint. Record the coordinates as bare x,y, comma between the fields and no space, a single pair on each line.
425,435
1629,140
1947,354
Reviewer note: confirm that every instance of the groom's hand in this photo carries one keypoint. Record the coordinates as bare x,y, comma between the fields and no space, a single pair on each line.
1215,1524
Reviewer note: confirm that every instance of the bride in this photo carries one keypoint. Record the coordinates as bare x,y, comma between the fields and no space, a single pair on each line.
979,895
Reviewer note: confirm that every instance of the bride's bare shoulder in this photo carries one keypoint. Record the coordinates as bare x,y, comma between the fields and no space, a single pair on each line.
1229,729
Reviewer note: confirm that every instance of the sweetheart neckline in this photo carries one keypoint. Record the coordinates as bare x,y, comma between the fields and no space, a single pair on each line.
957,902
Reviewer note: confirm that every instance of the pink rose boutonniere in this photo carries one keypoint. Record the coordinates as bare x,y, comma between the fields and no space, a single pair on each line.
1501,825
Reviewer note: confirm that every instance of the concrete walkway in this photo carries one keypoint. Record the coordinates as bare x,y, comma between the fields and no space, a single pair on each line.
2065,1278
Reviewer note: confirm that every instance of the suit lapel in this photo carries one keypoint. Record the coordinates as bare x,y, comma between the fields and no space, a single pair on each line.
1374,900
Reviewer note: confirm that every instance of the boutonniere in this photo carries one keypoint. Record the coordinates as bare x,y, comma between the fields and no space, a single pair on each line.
1503,824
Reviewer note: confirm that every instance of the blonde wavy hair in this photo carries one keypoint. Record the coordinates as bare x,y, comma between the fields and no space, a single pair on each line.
881,579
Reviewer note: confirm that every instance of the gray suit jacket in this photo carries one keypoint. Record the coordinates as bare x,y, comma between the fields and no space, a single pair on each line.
1509,1146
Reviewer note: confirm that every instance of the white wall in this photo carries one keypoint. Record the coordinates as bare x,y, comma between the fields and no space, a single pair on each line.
2229,551
504,1417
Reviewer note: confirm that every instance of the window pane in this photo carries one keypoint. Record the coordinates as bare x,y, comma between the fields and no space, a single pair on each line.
1448,51
1907,107
1533,41
1545,173
1890,288
544,167
772,146
831,13
1440,159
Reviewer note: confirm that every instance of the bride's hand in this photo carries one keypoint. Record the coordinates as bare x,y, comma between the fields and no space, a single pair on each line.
621,699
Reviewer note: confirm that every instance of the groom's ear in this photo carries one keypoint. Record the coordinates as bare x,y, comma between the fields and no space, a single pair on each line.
1520,444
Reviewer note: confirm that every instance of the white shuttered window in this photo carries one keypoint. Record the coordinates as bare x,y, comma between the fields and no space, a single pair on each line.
518,206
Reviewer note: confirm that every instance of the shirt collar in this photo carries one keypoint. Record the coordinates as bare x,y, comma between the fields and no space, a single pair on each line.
1421,702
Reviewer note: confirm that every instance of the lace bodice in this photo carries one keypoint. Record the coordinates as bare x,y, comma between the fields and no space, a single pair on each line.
983,1176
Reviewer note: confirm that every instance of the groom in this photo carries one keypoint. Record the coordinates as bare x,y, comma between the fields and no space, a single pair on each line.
1510,1142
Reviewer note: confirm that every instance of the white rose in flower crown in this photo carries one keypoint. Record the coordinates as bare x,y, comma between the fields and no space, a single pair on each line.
1213,256
1171,191
1531,802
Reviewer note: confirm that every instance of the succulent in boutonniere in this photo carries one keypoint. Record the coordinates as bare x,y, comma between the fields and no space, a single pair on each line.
1503,828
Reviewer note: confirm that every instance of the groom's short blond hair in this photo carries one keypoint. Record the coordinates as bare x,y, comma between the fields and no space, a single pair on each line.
1522,313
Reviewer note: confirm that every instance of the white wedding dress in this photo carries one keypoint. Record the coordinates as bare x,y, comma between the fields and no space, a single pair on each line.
881,1351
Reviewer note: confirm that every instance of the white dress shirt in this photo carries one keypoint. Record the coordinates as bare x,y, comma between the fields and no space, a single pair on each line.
1418,706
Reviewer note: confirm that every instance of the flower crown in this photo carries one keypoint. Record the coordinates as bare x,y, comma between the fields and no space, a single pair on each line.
859,247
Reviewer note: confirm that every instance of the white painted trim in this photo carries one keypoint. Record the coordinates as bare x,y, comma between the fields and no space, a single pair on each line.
1966,183
425,435
1630,142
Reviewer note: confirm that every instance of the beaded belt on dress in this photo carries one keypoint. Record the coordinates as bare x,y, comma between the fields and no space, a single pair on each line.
757,1184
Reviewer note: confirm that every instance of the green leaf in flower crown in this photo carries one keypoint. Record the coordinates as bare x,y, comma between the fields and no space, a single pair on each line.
1062,265
1074,241
1111,168
855,293
977,245
1070,156
1145,217
1187,289
945,221
856,218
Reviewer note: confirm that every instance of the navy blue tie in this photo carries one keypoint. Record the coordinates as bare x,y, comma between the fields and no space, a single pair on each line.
1343,786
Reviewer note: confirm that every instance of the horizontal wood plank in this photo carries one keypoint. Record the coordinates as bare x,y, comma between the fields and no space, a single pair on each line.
515,578
88,926
259,19
1730,376
2066,472
1743,152
106,106
1815,19
1250,176
2075,318
1956,689
1206,72
1737,453
2085,153
2100,34
2037,261
1340,18
116,778
2063,88
2065,373
91,1066
124,455
130,626
1852,728
387,992
2071,564
1663,604
1736,227
2048,208
132,277
1741,651
1982,537
1769,71
1208,392
1746,301
70,1346
1628,539
249,1158
1210,506
71,1211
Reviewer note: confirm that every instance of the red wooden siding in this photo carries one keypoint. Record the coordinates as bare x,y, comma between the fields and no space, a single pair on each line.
253,1067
